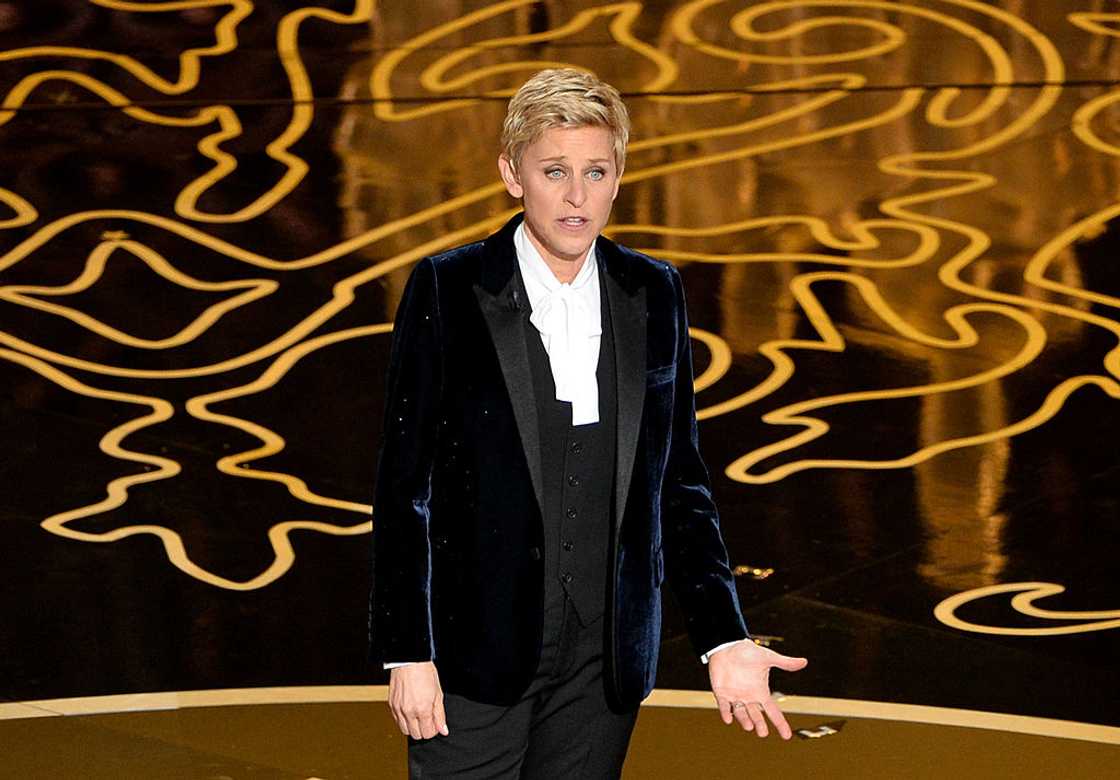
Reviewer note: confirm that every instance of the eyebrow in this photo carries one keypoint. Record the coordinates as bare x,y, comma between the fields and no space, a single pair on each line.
563,158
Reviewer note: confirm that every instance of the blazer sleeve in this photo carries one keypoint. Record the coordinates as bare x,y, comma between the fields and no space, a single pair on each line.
696,561
400,611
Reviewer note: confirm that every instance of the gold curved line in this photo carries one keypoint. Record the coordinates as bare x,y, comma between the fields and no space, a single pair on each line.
209,146
1023,602
23,212
906,103
846,82
742,25
816,428
709,97
719,362
278,149
110,444
818,228
1093,21
24,295
831,340
272,443
117,490
864,239
433,79
25,248
287,47
342,296
18,95
1035,272
1083,123
225,33
937,112
379,80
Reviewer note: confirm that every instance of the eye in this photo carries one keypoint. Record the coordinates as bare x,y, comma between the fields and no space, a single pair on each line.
596,174
554,173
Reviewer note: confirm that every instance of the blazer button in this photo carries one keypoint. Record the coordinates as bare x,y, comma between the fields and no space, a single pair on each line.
535,553
566,578
573,480
571,513
568,545
577,447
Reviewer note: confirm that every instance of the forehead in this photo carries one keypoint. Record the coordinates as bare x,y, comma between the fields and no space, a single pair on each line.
585,142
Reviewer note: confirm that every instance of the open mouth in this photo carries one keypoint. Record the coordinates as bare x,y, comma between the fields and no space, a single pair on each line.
574,222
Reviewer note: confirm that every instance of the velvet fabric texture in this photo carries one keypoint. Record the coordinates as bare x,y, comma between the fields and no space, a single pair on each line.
457,503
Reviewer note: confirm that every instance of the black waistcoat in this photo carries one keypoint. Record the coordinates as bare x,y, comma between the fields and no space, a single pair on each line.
577,465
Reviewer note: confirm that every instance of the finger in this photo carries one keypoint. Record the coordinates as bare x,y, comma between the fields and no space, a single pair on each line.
428,727
778,718
743,718
414,730
754,709
441,717
725,710
790,664
398,716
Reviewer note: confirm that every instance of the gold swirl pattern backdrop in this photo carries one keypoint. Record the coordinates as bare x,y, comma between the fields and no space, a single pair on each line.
881,210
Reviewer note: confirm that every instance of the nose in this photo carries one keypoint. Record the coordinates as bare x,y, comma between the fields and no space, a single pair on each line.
576,192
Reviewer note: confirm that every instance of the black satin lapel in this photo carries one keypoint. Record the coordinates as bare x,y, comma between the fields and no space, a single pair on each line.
628,321
508,335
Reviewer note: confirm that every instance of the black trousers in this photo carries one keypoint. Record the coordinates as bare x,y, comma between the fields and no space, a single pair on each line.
561,728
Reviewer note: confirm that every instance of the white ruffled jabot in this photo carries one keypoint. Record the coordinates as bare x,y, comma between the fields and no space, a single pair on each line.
567,315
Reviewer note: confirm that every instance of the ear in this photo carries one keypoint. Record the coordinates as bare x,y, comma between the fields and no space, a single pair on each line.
509,176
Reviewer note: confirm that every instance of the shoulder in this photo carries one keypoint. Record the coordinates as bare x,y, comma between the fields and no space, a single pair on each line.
449,266
642,270
457,257
457,261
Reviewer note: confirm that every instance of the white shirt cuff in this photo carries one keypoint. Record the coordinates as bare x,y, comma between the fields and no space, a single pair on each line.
704,658
395,664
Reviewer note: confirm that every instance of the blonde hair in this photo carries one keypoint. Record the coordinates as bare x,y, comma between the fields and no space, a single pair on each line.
564,97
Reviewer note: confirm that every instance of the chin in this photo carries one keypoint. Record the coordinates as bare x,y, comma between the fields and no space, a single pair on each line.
574,251
565,246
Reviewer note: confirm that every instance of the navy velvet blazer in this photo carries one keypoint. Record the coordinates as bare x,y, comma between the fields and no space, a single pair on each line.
457,504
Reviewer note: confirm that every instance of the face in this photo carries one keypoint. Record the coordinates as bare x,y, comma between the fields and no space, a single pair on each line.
567,181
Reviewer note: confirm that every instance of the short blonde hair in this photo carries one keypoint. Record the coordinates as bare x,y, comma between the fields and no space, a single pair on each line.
564,97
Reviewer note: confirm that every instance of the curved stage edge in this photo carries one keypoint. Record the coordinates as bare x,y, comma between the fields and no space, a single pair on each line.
337,732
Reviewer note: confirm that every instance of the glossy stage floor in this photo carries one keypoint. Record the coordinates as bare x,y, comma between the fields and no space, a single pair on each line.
898,225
